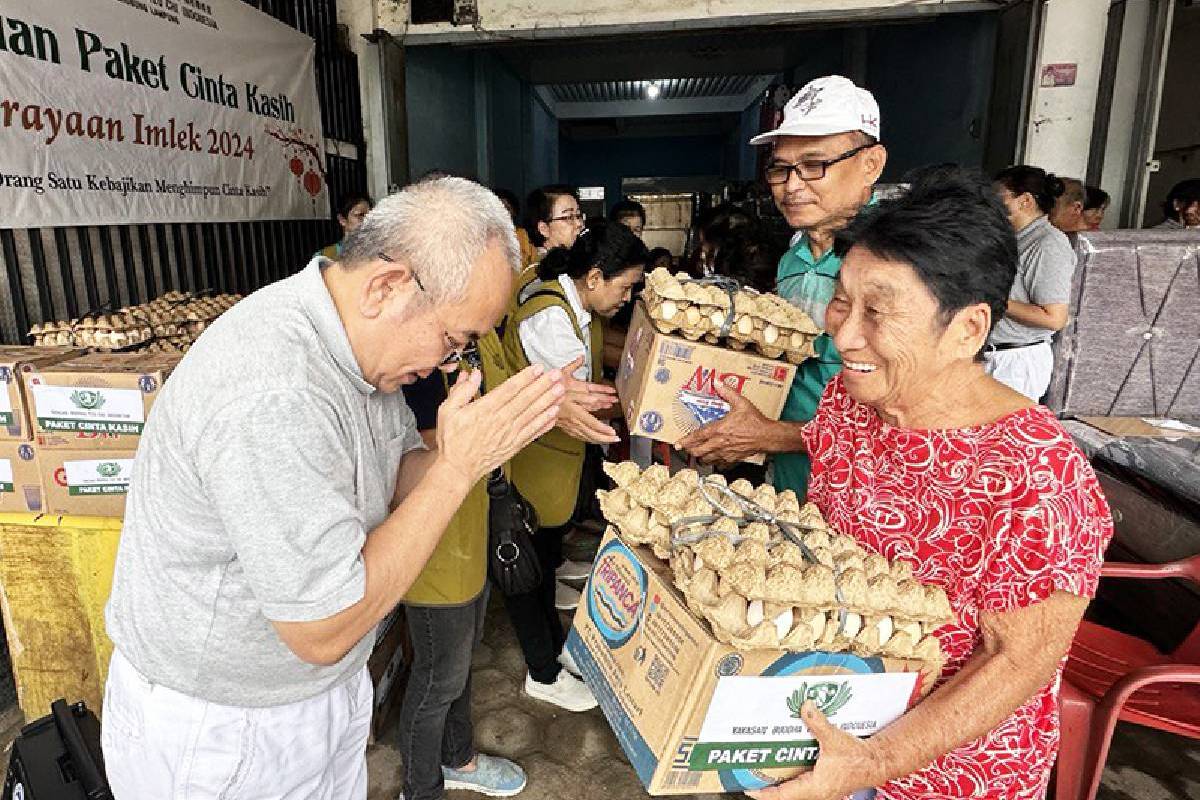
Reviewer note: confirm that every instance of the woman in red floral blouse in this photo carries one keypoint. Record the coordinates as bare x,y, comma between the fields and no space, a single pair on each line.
923,457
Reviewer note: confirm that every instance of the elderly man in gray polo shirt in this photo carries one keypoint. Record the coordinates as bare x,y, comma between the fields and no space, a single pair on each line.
282,503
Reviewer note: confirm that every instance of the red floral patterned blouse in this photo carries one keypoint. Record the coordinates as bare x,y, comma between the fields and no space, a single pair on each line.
1000,515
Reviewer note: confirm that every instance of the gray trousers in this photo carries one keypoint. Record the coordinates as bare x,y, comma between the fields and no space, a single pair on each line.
435,720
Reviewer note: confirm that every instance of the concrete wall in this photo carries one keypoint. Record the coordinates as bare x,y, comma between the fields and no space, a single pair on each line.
1178,146
1061,117
511,16
541,164
508,96
1123,125
440,98
932,83
470,115
604,162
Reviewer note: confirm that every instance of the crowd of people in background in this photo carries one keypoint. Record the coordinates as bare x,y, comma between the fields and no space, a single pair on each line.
573,306
961,282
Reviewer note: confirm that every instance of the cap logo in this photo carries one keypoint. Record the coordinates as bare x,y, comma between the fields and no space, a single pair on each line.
808,99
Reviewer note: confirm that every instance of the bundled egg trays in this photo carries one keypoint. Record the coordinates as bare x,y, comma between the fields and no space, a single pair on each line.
719,312
168,324
768,573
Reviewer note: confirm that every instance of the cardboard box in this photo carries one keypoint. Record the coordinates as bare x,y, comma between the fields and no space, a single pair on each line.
20,478
85,482
14,414
95,402
1154,427
667,384
696,716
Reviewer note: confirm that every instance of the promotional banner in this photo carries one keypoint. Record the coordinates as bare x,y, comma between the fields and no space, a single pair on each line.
128,111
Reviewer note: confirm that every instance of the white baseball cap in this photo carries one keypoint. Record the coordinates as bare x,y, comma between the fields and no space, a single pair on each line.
826,106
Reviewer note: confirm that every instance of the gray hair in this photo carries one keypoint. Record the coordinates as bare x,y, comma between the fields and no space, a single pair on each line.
439,227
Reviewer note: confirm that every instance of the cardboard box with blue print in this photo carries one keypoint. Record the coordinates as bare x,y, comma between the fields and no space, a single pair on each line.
667,384
697,716
95,402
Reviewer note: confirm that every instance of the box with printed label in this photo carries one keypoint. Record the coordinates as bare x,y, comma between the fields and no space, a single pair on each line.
85,482
95,402
667,384
20,478
14,415
695,715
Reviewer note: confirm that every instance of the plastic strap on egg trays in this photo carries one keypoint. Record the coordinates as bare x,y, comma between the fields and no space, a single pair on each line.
751,512
731,288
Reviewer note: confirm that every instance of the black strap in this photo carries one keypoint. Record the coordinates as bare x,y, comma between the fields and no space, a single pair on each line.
1016,346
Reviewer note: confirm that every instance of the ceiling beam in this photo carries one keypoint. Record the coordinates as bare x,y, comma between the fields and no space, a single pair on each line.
733,104
444,33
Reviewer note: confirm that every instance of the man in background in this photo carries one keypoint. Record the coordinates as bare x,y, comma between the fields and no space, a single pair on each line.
1067,215
825,161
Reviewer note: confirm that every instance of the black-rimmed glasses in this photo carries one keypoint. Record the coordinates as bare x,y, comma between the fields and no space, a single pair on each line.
572,216
778,174
468,351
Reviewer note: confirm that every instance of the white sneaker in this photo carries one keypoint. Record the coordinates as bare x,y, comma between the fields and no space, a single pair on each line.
565,598
567,692
568,663
573,570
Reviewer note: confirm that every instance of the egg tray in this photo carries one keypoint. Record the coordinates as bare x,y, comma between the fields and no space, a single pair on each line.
766,572
718,311
168,324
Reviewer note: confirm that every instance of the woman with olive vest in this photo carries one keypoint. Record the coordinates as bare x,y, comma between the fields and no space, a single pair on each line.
556,320
446,607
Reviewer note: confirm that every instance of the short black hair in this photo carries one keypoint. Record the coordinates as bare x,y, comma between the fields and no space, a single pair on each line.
347,202
607,246
1045,187
953,230
540,205
1094,197
509,197
627,208
1185,192
657,253
750,255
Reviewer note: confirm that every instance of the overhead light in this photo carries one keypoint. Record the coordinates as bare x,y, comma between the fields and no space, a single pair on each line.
653,91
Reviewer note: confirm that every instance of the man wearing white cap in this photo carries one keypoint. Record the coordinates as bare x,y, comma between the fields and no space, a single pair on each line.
826,158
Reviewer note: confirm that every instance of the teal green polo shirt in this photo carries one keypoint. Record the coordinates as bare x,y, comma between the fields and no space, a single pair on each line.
808,283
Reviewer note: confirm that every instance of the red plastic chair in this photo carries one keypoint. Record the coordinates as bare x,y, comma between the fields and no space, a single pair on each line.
1112,676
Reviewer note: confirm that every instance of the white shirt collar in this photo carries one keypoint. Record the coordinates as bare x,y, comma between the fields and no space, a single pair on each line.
582,317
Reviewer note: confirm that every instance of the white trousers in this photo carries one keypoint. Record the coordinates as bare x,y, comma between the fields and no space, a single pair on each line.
163,745
1026,369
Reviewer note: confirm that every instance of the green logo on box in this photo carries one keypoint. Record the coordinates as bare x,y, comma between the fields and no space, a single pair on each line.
830,697
87,399
108,469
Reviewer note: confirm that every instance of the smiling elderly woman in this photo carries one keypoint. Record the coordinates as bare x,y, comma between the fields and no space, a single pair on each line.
923,457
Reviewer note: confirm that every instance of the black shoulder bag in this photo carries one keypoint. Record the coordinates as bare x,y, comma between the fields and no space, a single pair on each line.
512,522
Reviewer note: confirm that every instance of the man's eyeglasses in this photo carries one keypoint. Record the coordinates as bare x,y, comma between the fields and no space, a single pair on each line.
570,216
778,174
467,351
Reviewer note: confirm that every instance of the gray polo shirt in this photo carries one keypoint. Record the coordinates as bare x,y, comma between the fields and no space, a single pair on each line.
266,460
1046,262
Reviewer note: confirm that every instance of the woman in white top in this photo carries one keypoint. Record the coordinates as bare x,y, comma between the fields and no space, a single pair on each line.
557,321
1018,352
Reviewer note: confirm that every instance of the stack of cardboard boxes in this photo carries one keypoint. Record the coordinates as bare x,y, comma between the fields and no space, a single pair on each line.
71,424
